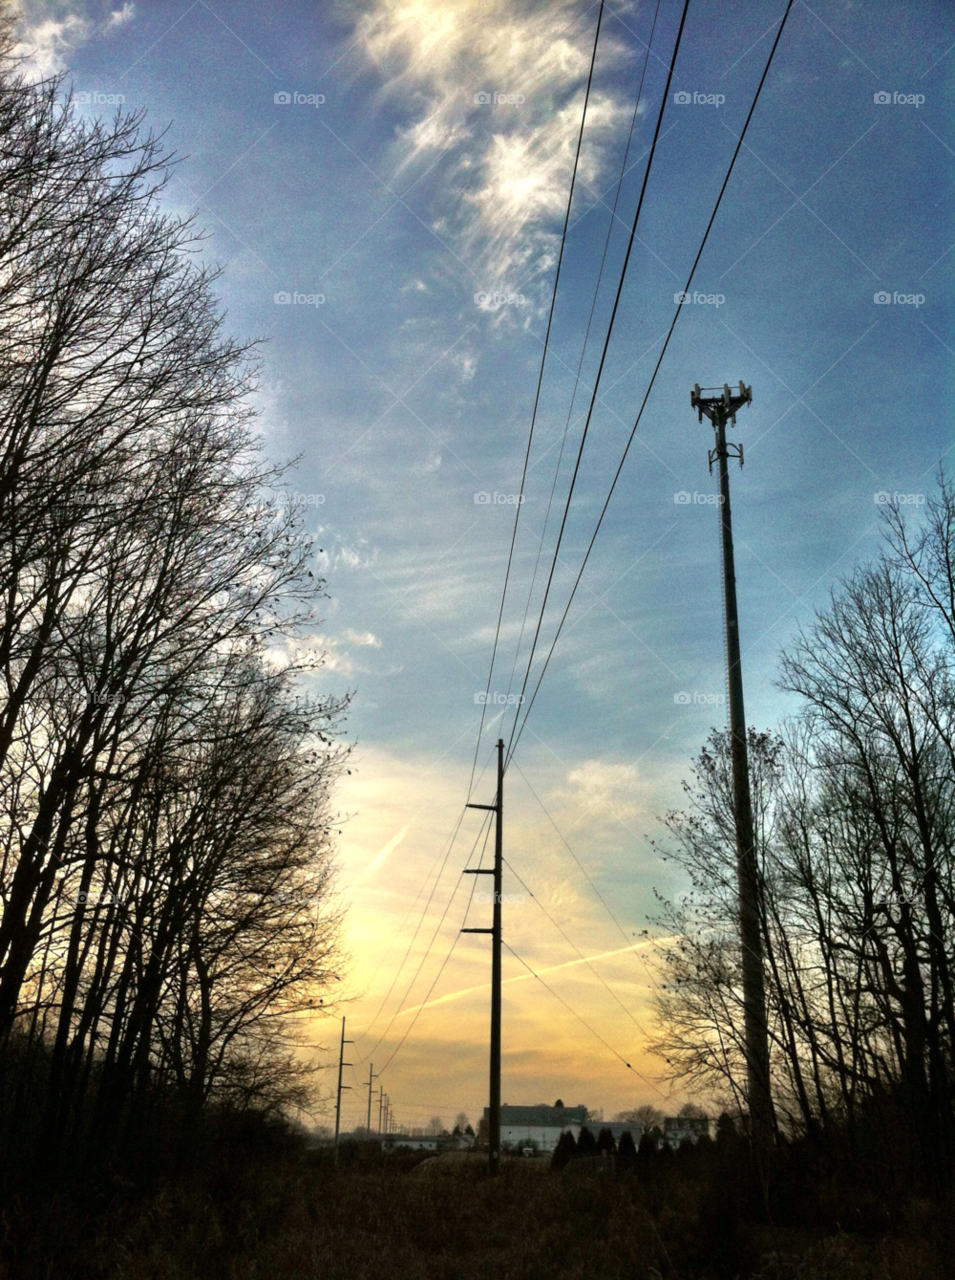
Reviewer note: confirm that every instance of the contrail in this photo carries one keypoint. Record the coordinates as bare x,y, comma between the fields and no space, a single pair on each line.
379,858
523,977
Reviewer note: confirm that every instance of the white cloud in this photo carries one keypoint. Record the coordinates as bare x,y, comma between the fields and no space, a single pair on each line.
362,639
47,35
513,159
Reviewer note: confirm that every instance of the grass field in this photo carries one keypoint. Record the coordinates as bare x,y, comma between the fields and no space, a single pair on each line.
296,1217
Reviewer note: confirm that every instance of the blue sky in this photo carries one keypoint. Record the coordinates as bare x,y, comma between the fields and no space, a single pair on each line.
427,220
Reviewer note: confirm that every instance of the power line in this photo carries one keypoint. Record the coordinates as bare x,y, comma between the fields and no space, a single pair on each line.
540,379
571,943
583,350
420,921
645,1079
603,358
433,937
516,738
580,865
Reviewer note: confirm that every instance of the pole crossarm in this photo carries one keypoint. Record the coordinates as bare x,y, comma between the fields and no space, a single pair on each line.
338,1097
497,871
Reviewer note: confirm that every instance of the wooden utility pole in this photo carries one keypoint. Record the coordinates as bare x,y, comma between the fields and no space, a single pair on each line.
720,409
494,1090
338,1097
371,1076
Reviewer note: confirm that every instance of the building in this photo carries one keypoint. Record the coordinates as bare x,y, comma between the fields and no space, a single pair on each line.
680,1129
540,1125
619,1128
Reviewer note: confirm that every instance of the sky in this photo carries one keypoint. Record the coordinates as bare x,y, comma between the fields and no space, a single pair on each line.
384,186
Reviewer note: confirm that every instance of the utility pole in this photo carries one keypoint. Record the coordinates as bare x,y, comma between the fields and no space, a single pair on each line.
721,408
338,1097
494,1107
371,1076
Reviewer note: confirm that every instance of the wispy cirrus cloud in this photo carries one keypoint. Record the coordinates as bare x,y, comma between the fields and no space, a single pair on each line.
500,88
48,32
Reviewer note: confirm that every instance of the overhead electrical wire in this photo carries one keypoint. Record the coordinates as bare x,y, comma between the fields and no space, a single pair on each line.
597,1034
517,511
583,349
515,733
540,379
486,823
600,368
454,943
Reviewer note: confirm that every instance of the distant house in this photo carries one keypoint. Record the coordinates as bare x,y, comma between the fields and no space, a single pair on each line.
540,1125
680,1129
619,1128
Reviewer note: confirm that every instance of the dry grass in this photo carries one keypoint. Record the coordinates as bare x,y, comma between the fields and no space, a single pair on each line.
297,1220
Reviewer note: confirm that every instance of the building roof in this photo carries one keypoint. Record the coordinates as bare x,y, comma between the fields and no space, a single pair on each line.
542,1116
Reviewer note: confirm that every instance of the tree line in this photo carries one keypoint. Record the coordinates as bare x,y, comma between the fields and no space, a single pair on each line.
166,841
854,803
